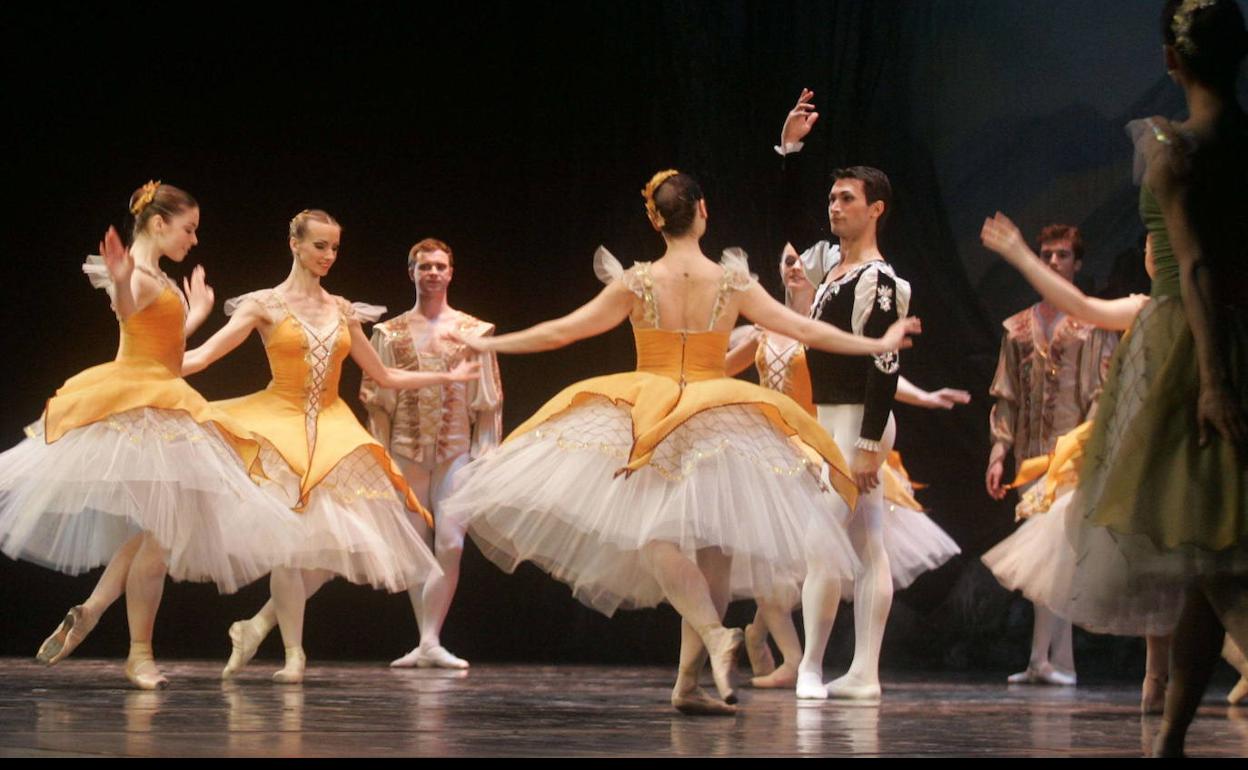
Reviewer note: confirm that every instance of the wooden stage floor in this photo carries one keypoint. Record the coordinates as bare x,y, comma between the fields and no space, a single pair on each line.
84,708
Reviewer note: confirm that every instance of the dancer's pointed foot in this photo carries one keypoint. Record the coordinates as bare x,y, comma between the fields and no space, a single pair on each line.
780,679
1239,692
696,702
810,686
1153,695
723,645
435,656
245,638
848,687
756,648
292,672
67,636
141,668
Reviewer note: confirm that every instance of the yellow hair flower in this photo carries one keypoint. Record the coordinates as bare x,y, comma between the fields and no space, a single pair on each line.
146,194
1182,24
647,192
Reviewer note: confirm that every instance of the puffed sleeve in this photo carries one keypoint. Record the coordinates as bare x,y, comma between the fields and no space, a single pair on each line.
379,402
880,298
485,404
1005,389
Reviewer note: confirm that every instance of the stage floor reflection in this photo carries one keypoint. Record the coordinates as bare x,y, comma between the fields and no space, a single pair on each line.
83,707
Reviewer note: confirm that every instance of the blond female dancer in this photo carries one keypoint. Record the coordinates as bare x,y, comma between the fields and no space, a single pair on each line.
672,482
129,465
914,543
351,496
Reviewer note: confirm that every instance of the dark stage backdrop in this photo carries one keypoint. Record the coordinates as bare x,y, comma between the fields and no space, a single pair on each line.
521,134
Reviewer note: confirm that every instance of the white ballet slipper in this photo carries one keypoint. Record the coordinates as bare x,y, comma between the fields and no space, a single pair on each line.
435,656
292,672
847,688
810,687
245,640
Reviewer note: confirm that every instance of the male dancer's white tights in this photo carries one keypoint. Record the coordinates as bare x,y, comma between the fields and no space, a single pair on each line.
872,590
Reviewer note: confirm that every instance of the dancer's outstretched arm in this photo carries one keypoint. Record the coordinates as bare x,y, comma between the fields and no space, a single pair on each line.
366,356
945,398
1001,235
601,314
248,316
758,306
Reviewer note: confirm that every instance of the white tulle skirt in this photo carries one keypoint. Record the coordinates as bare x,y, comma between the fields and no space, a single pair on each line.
70,504
355,523
724,479
915,544
1038,559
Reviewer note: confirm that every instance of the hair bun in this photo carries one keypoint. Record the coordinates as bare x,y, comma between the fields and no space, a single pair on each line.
143,197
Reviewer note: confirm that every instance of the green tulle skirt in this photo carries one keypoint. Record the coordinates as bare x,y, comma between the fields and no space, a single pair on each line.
1153,508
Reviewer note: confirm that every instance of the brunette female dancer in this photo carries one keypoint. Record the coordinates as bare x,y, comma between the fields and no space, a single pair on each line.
129,465
672,482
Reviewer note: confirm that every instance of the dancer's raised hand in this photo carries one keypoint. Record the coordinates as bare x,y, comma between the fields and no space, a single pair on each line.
800,121
199,294
1001,235
116,258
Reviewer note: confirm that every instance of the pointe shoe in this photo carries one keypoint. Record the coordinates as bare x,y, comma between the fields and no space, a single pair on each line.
1153,695
810,687
67,636
756,649
292,672
697,703
844,688
1239,692
723,646
437,656
245,639
141,669
780,679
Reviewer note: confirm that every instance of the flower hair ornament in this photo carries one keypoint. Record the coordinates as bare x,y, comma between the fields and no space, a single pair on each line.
1182,24
146,194
652,211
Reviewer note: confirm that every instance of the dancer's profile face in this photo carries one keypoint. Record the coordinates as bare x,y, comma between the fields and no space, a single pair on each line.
849,214
175,237
432,271
1059,255
318,249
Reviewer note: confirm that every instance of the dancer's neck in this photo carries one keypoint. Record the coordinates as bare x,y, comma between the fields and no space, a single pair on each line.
856,251
301,282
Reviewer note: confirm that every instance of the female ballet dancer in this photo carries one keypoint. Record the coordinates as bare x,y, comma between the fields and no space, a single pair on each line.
1158,520
672,482
129,465
1037,559
351,496
914,542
